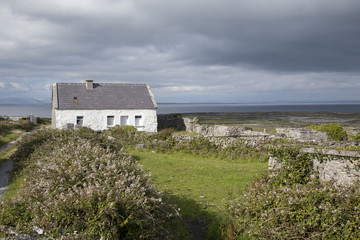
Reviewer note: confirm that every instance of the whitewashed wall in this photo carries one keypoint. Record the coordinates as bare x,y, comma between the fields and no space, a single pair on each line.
97,119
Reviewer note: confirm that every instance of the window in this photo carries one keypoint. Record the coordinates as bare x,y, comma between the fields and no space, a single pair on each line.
124,120
110,120
79,120
138,121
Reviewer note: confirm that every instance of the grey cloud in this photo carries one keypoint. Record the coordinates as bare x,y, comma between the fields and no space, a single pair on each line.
248,46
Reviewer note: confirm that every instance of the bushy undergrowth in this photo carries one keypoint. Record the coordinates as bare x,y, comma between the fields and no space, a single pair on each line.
79,185
198,145
305,211
357,137
7,126
293,204
333,130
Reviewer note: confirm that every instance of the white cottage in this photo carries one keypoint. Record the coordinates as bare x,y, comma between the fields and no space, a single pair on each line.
103,105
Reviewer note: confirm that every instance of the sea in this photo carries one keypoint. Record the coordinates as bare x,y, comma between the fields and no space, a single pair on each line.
44,110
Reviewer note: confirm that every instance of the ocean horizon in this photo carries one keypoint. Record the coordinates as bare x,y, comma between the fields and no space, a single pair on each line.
44,110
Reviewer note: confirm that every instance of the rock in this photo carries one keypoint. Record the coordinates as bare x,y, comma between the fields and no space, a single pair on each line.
38,230
111,138
140,146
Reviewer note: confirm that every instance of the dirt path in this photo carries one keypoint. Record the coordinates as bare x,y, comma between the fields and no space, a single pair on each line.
6,167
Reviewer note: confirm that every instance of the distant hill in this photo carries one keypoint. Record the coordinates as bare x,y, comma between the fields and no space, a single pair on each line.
15,100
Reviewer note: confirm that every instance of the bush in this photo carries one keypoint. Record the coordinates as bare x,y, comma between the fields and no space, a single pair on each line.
7,126
164,133
43,121
291,203
78,188
305,211
334,131
357,137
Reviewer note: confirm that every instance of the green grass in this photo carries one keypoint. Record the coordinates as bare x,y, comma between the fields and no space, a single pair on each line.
5,154
193,134
10,136
197,185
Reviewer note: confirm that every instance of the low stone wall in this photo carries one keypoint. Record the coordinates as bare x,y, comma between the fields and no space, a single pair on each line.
338,165
303,134
178,122
224,142
30,118
191,125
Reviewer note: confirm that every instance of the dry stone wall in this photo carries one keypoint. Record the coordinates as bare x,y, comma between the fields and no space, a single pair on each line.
302,134
332,164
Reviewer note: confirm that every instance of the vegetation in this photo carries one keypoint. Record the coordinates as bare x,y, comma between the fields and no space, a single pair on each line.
334,131
43,121
197,185
10,130
198,145
357,137
7,126
293,204
80,185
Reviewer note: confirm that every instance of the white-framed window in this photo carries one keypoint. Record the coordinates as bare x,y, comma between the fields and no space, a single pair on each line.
124,120
110,120
79,120
138,120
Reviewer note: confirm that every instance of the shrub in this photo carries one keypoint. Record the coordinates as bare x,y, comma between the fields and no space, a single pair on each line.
6,126
297,167
334,131
126,134
78,188
291,203
305,211
44,121
357,137
164,133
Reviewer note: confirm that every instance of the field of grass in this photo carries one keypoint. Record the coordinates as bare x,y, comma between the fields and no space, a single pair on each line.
197,185
12,135
5,154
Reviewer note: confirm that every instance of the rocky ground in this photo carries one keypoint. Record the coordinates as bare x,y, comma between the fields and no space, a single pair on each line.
278,119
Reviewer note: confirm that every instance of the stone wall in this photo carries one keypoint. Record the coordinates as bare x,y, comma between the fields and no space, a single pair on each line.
178,122
191,125
224,142
302,134
30,118
338,165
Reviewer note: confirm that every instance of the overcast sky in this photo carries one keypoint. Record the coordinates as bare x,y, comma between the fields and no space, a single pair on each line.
188,51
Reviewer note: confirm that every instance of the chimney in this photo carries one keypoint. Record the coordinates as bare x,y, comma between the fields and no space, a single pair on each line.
89,84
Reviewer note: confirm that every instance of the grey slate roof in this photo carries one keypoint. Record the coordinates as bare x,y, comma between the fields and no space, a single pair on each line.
104,96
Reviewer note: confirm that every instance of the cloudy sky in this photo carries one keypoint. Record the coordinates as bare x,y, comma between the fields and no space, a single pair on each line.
243,51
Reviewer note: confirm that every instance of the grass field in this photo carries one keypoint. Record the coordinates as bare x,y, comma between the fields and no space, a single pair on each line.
197,185
5,154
